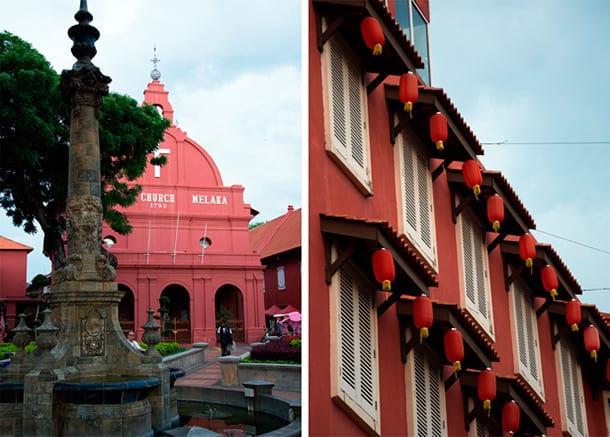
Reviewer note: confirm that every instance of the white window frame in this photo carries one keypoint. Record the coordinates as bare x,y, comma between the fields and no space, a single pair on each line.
427,409
354,364
281,278
474,274
526,341
346,112
568,374
410,34
415,195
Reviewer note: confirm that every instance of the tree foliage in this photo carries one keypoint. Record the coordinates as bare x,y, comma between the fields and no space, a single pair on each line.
34,146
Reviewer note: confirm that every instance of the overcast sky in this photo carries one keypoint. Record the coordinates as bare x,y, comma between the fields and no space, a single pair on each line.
232,69
538,71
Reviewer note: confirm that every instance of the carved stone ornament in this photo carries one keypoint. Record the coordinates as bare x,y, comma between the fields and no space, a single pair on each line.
85,231
71,271
104,269
84,79
93,334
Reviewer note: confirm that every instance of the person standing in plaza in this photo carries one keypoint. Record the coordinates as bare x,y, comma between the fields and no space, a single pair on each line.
224,336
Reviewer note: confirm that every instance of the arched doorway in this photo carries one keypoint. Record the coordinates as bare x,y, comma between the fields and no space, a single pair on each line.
229,304
176,325
126,309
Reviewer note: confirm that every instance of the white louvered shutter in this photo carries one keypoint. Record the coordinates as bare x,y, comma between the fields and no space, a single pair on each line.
475,267
417,202
572,391
527,338
357,345
429,397
347,102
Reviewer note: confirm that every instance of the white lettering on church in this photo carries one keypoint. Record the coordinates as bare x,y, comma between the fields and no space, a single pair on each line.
158,200
204,199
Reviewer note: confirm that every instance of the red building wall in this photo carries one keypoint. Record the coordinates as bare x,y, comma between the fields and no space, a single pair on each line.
13,282
181,204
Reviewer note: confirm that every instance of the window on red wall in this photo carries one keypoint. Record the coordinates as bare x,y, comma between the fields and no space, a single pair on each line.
415,27
345,102
281,278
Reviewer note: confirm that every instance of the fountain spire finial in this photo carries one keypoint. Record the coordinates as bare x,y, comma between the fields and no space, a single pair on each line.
83,35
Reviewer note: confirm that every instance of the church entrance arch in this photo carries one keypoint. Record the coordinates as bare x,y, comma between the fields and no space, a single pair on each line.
229,305
126,309
176,325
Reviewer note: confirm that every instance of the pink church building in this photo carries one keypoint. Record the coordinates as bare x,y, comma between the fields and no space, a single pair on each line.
189,243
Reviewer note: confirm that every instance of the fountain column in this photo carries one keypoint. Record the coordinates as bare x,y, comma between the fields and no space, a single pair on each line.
84,340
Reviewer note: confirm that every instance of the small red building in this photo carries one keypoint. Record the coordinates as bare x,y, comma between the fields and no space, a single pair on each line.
278,243
189,243
378,179
13,282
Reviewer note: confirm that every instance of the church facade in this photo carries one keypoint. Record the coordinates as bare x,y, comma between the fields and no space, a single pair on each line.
189,252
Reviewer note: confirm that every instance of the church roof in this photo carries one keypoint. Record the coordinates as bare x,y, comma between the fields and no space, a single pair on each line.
279,235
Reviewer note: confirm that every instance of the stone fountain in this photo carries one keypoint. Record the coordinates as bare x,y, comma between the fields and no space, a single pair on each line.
84,378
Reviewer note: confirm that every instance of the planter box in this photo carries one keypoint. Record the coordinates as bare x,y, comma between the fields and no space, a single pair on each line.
283,376
189,360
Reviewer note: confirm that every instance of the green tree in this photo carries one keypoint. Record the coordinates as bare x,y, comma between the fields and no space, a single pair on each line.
34,143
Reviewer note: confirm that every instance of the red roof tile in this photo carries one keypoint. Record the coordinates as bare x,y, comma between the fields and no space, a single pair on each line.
401,243
464,127
6,244
278,235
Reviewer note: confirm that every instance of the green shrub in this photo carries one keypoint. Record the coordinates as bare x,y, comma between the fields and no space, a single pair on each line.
10,347
167,348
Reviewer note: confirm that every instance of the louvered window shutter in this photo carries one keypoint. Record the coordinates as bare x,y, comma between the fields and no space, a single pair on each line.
527,338
417,197
357,340
347,100
573,392
429,397
474,263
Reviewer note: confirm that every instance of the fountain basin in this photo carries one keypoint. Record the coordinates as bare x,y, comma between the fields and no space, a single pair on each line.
114,390
11,392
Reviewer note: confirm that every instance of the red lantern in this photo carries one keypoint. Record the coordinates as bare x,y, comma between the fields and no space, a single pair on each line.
549,280
422,315
486,388
438,130
408,92
383,267
372,34
591,337
527,249
454,348
472,176
495,211
510,417
573,314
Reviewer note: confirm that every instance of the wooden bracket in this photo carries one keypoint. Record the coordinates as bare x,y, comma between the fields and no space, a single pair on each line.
510,279
385,305
499,238
376,82
332,267
457,209
441,168
451,379
323,36
542,308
